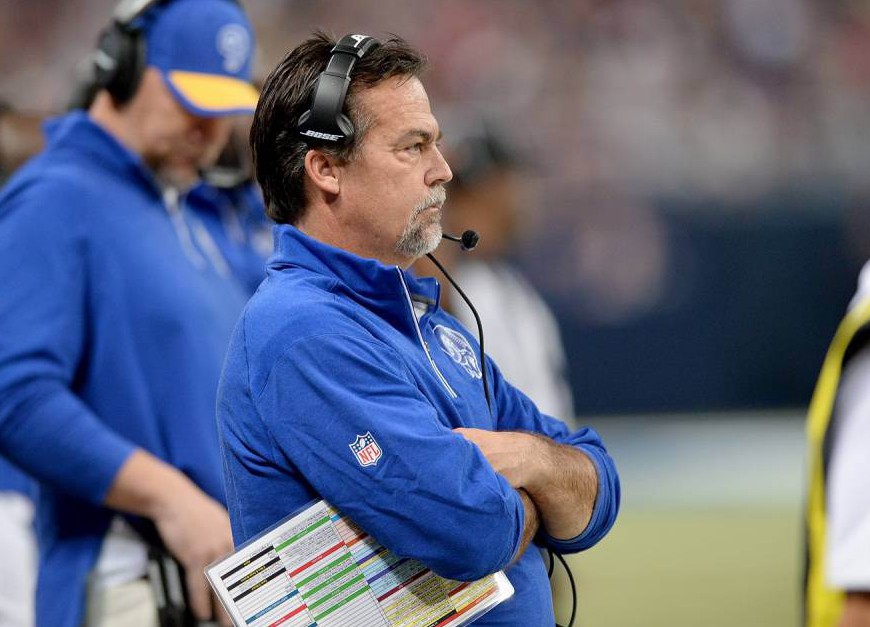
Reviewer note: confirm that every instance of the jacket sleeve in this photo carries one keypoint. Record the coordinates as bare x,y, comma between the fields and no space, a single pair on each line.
431,496
44,427
516,412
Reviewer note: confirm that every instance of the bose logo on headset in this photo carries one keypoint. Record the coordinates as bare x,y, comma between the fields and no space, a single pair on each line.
325,120
319,135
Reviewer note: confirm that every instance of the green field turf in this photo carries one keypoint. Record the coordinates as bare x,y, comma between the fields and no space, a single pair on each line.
706,568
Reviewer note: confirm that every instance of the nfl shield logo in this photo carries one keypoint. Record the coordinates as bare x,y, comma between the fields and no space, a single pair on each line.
366,449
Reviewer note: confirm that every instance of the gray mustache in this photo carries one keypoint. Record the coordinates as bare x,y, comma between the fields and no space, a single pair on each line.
437,196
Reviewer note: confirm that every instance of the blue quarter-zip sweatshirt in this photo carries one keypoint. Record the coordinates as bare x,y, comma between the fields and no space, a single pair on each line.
112,332
330,349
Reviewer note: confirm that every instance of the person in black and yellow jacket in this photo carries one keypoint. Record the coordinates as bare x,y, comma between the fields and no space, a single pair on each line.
837,590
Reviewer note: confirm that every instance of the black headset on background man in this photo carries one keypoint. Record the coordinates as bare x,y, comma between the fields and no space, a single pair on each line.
119,60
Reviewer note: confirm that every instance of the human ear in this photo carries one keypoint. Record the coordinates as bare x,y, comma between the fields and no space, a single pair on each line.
322,171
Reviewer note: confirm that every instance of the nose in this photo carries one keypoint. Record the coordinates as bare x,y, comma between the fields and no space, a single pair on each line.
439,172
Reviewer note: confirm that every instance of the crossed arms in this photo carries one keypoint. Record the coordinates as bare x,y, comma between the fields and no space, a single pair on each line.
559,482
465,502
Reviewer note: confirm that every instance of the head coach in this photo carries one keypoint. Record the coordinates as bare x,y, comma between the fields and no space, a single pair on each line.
114,323
342,348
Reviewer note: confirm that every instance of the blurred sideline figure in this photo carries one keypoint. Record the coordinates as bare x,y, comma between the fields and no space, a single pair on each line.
115,321
19,139
521,333
228,220
838,515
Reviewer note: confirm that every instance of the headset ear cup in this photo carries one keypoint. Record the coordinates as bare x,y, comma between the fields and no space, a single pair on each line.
324,122
106,57
130,66
119,62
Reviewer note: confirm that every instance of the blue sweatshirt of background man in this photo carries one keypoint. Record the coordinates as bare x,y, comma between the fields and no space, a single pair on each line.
112,332
329,349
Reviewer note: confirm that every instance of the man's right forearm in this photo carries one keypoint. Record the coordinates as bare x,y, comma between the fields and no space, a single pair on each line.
145,486
194,527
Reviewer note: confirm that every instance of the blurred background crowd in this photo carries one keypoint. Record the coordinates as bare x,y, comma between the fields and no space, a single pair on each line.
695,194
694,208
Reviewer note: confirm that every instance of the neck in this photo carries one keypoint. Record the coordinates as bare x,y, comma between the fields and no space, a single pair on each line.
320,223
113,119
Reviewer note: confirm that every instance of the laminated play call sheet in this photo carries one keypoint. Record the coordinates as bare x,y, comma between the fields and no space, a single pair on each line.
317,568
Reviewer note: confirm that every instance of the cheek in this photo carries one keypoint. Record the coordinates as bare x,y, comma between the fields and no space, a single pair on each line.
169,142
401,207
386,195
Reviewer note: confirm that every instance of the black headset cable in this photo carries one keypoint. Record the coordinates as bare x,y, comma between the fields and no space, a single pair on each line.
479,328
489,405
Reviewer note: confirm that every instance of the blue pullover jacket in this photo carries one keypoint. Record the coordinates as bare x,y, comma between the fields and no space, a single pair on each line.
236,227
112,332
13,480
330,349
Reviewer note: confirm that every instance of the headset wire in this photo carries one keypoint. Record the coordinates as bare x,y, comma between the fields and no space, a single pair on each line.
489,405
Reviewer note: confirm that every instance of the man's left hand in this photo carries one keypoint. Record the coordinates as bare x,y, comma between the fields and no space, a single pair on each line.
561,480
510,453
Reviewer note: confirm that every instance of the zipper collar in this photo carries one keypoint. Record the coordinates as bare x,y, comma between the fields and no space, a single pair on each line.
369,280
387,291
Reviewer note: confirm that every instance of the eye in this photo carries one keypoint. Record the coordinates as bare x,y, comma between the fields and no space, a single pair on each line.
415,147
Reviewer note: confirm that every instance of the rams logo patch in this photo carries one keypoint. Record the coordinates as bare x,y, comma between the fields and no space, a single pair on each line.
456,345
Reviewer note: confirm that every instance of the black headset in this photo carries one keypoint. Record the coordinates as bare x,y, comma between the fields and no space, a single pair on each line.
325,122
119,60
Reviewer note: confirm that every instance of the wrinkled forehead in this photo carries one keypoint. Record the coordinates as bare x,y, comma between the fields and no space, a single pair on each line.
399,105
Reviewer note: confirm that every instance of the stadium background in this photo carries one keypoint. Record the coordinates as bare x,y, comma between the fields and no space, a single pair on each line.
696,214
